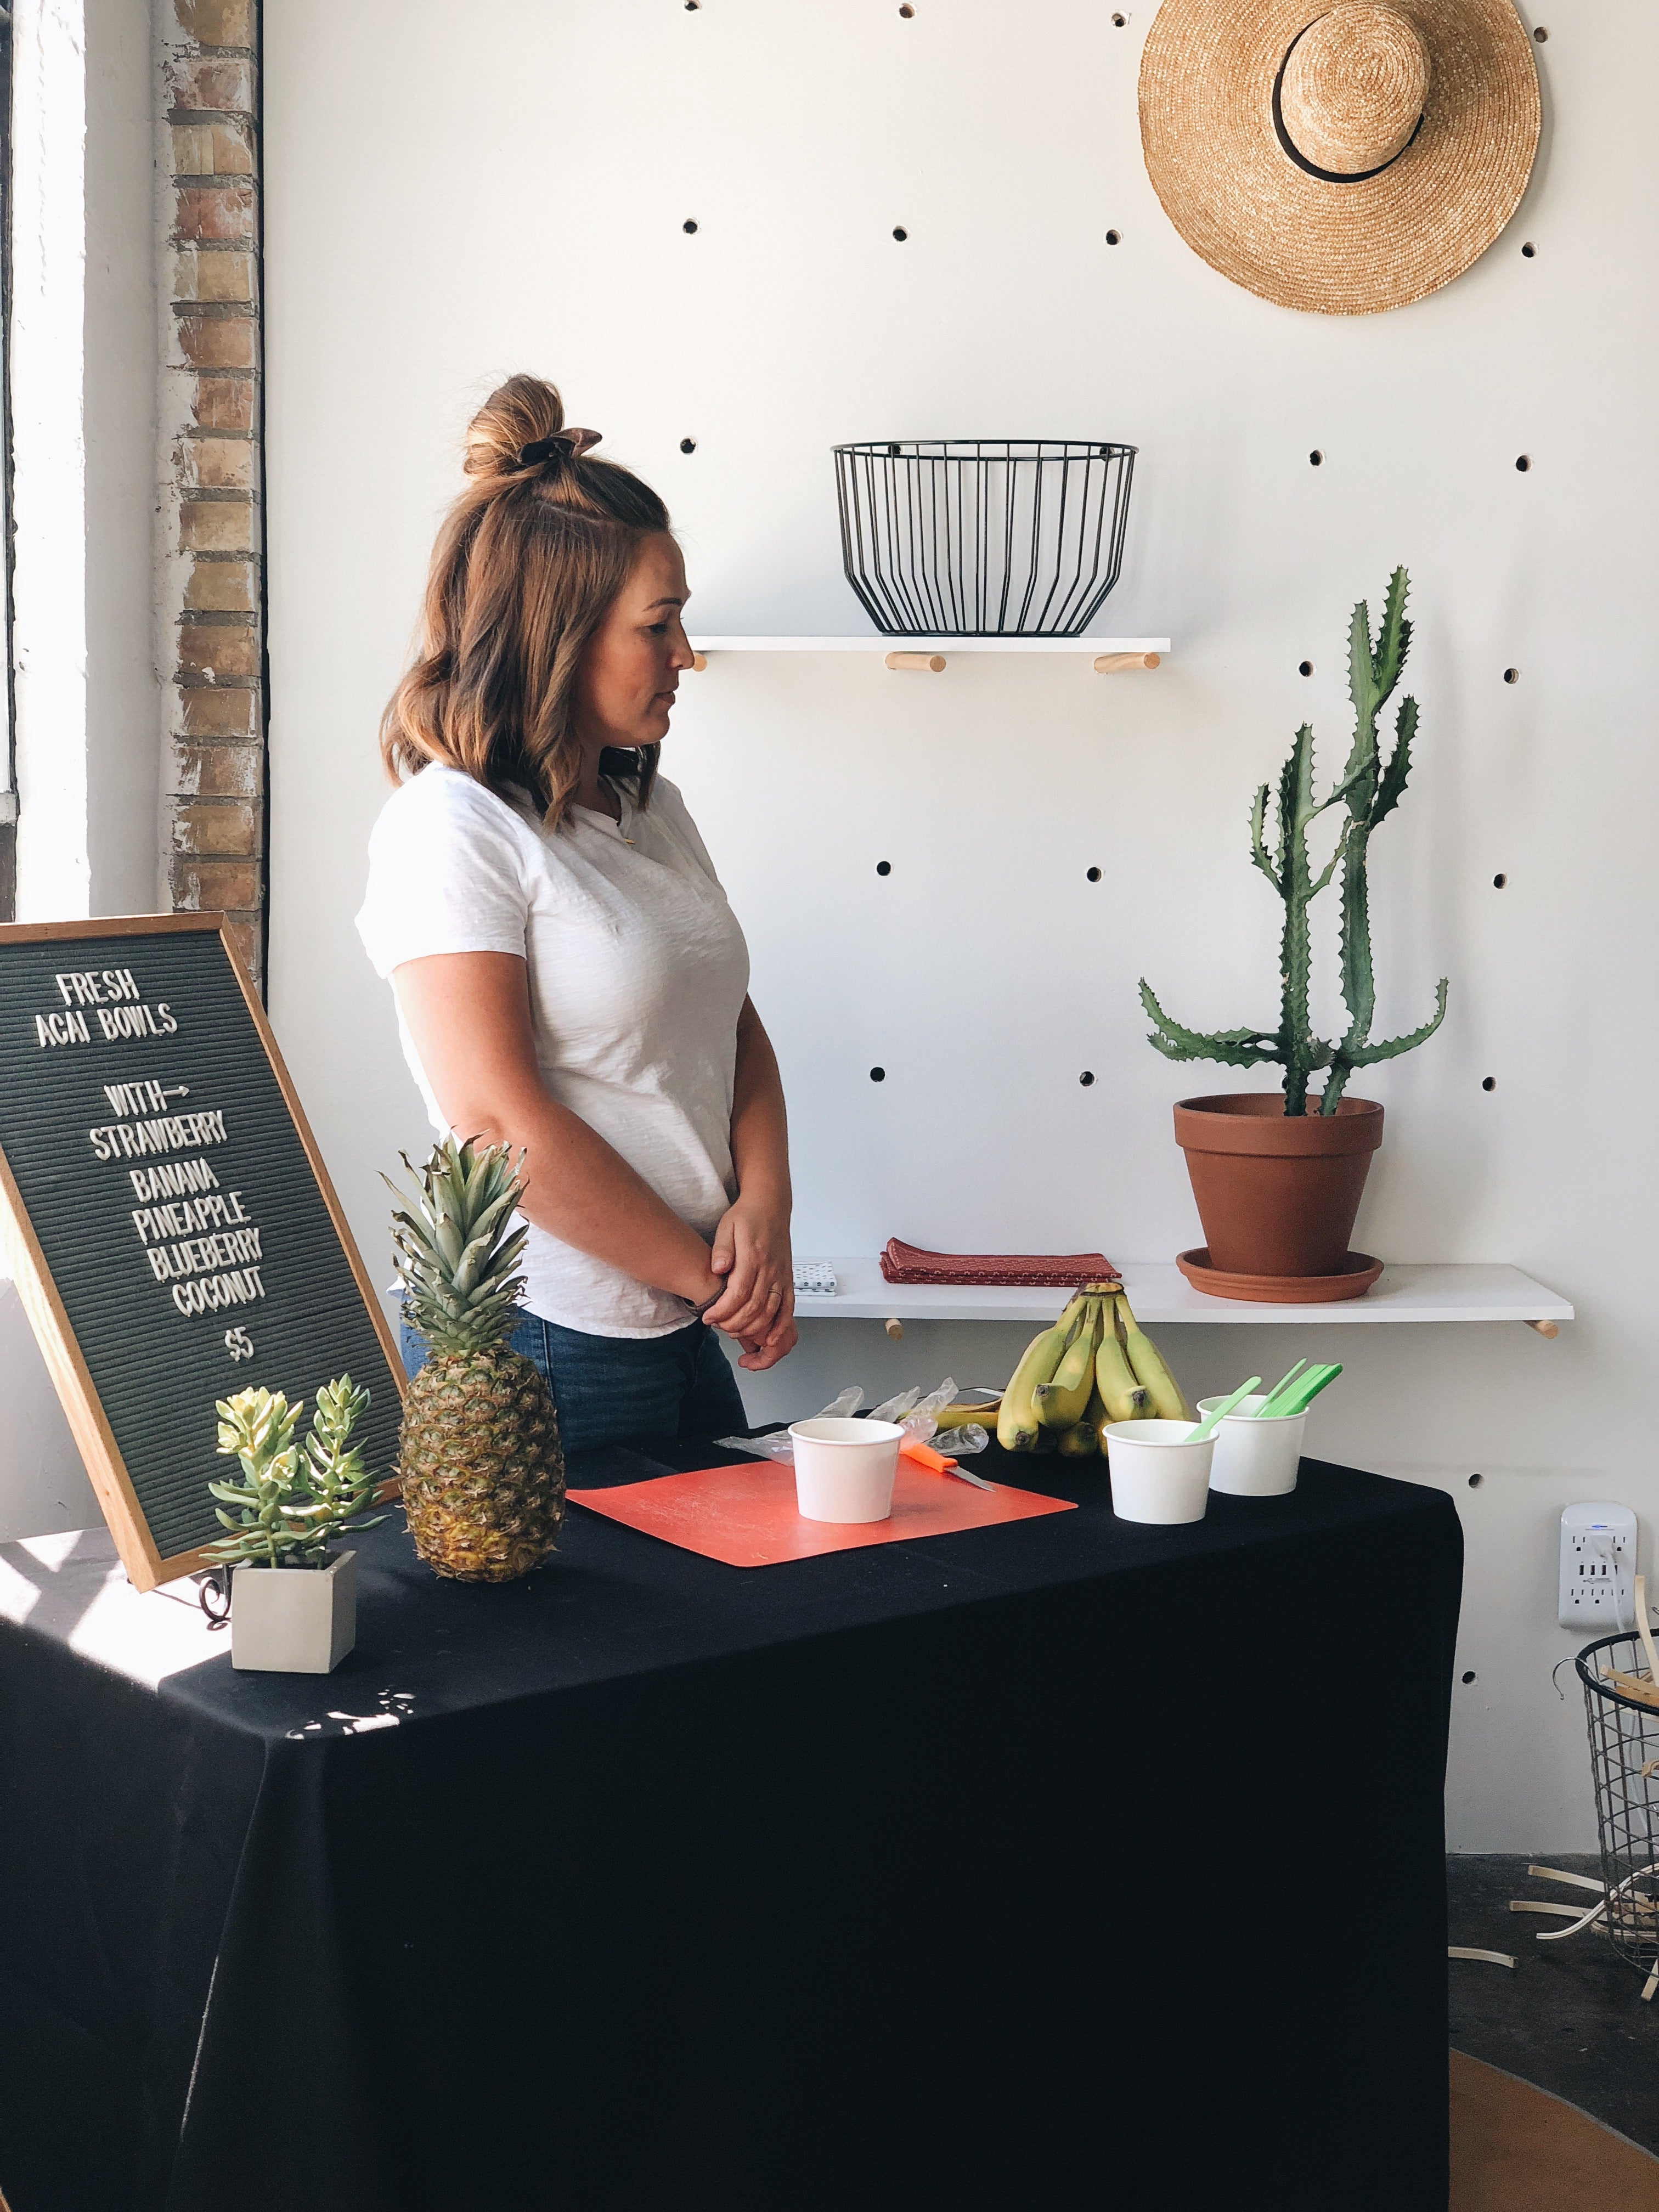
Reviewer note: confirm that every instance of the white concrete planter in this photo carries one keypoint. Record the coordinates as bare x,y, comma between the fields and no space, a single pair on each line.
293,1620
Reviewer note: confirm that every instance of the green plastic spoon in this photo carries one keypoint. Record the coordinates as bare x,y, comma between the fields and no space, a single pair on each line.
1206,1426
1306,1389
1277,1388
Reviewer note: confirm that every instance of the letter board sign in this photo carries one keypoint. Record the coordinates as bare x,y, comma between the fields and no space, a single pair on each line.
170,1224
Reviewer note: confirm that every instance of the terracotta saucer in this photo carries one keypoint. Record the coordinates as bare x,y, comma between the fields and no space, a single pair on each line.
1359,1271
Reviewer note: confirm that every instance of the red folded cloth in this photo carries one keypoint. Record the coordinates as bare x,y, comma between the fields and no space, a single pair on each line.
906,1263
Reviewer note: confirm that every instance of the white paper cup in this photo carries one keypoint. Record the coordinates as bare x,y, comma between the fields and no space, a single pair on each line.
1254,1459
1157,1475
844,1470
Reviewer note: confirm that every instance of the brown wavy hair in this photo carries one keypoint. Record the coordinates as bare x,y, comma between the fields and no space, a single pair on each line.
528,563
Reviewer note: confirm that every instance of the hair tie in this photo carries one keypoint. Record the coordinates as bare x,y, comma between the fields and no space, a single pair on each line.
571,445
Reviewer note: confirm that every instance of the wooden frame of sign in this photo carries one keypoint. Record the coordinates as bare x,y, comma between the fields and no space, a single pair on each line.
137,1229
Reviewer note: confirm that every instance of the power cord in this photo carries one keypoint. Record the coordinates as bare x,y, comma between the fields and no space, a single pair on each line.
1600,1548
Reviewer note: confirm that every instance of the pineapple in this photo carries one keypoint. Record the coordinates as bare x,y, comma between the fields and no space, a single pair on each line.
482,1472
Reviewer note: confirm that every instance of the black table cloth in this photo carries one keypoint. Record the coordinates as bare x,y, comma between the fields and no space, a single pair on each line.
1068,1862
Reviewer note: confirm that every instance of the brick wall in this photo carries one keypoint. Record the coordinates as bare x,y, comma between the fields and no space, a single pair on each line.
211,555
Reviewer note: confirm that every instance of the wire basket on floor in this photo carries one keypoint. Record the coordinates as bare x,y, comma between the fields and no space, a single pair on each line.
1624,1738
983,537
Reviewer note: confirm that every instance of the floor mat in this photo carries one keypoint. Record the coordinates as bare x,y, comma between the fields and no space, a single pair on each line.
1514,2149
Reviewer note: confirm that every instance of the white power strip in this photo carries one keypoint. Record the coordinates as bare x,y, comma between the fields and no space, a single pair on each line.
1598,1569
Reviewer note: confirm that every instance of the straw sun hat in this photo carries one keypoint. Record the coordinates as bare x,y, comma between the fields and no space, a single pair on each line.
1341,159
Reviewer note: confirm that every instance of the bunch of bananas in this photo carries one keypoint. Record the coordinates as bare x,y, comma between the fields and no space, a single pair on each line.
1096,1364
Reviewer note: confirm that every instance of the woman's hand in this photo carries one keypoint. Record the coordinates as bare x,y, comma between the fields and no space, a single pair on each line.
758,1306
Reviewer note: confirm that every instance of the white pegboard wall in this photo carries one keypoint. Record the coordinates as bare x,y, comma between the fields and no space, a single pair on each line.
522,224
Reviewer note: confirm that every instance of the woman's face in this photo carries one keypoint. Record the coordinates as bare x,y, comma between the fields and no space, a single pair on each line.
631,670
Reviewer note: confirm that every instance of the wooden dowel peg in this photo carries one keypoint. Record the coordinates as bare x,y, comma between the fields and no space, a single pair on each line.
935,661
1545,1327
699,661
895,1329
1114,664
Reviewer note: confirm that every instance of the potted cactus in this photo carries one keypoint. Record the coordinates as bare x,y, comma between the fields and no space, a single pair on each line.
292,1502
1278,1178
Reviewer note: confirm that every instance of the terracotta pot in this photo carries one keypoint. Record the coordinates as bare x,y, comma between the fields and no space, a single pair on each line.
1276,1194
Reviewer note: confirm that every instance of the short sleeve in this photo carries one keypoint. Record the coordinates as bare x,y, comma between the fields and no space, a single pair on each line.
446,873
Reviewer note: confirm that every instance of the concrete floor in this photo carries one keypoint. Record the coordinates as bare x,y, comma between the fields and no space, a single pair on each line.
1570,2017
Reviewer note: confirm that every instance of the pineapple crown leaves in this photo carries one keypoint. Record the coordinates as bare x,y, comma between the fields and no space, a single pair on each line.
455,1251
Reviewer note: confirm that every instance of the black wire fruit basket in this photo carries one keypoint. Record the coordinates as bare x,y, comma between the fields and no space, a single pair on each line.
983,537
1624,1737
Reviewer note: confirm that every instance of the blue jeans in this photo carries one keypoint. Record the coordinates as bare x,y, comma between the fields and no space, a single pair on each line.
624,1389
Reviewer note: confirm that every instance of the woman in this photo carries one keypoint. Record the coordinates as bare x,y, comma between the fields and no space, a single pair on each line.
568,975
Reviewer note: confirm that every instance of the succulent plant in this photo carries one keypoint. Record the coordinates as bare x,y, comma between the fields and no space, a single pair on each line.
292,1499
1370,788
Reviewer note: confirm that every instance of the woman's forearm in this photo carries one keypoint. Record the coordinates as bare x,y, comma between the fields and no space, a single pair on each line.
584,1194
760,1124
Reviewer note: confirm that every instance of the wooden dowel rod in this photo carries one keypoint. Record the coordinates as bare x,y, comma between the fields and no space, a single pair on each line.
1113,664
895,1329
699,661
1545,1327
935,661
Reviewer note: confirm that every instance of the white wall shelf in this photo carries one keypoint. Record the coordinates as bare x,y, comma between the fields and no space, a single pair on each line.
870,642
1160,1294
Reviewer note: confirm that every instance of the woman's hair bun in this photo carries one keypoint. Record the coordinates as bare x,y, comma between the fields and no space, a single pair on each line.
517,413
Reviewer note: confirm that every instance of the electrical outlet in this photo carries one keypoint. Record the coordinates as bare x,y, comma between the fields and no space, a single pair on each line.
1598,1569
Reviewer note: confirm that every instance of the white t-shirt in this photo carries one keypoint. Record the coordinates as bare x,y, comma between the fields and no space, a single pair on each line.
638,971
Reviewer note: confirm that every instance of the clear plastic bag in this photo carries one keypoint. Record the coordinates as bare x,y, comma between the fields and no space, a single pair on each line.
916,1414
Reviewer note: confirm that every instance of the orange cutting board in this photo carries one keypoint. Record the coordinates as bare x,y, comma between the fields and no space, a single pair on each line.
745,1515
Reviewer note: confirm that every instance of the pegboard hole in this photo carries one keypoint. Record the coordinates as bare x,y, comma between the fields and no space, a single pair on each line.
1317,459
1528,252
1468,1673
1541,35
900,232
879,1075
687,444
1524,462
1118,21
1489,1082
1512,676
1086,1077
692,6
687,226
1115,238
1094,875
1476,1481
907,10
1305,668
883,867
1498,882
